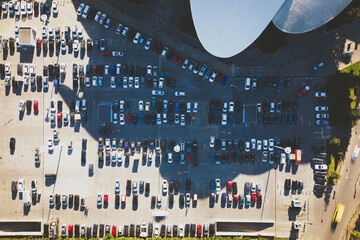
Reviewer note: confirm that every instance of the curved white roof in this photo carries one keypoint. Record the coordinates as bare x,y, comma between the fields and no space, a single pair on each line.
227,27
299,16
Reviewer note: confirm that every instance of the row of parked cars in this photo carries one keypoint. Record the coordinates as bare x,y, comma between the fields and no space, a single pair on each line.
159,112
185,151
277,83
143,230
321,108
202,70
27,8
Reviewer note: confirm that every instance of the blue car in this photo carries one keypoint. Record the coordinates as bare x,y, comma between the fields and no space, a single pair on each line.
112,69
223,198
101,83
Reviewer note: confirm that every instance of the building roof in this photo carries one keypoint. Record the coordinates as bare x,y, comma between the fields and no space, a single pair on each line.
300,16
227,27
27,36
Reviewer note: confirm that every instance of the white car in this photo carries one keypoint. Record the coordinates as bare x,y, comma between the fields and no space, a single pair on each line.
272,107
80,33
258,145
102,19
231,106
170,159
164,51
212,141
247,146
50,145
52,106
136,82
23,8
62,68
147,106
271,144
122,119
99,200
182,120
181,231
224,119
156,230
29,8
217,185
321,167
106,70
265,144
322,115
282,158
253,144
265,156
112,82
321,108
187,199
8,68
32,69
165,187
119,28
225,107
137,38
157,93
320,94
195,108
80,9
213,76
16,31
107,23
180,94
322,122
113,157
94,81
63,45
161,82
125,31
148,43
119,157
76,45
55,7
185,64
21,184
118,68
44,31
149,69
125,82
107,144
97,17
141,106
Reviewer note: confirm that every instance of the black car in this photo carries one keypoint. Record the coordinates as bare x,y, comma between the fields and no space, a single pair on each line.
128,185
187,230
89,44
88,232
234,186
171,199
192,230
126,231
150,230
71,199
153,198
147,187
46,230
77,230
84,143
162,231
94,232
76,201
287,184
294,185
137,230
181,199
83,156
12,143
101,230
132,230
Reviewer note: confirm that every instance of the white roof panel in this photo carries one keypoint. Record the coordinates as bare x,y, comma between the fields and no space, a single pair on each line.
299,16
227,27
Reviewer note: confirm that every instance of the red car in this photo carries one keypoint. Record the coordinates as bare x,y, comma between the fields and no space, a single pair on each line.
129,119
199,228
106,199
302,91
229,157
94,69
259,199
113,230
253,198
38,43
36,106
59,118
188,158
70,230
180,61
236,199
229,186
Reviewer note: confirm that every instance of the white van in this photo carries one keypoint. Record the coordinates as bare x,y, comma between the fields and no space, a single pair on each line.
296,203
247,83
84,105
26,197
77,106
86,11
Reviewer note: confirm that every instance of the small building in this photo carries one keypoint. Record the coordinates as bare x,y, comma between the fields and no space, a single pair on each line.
27,37
249,113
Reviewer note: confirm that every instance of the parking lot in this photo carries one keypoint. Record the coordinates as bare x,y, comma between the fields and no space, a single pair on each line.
33,130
